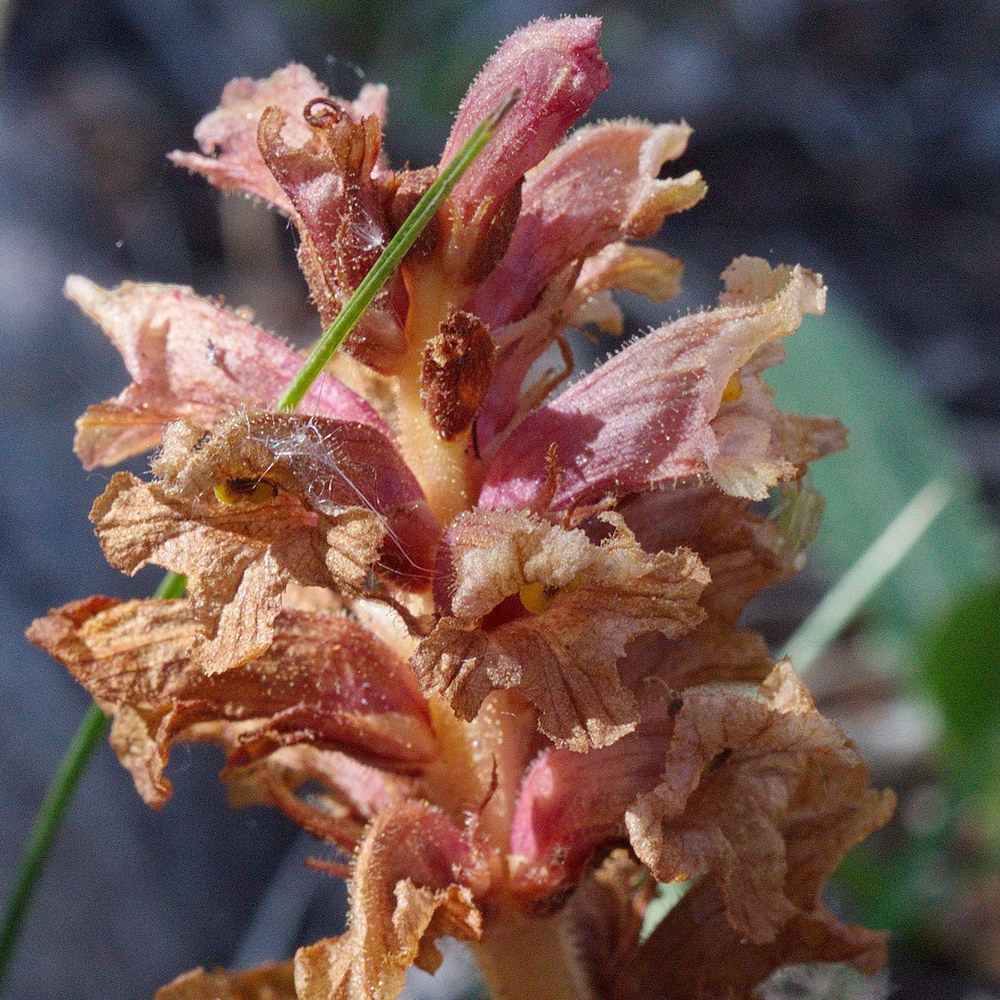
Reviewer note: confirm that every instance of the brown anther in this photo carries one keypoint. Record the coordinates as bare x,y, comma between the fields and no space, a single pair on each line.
455,373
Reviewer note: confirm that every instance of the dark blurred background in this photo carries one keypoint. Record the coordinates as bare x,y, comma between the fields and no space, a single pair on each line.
860,137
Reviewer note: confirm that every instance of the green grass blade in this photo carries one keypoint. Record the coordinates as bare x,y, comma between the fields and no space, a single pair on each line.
829,618
47,823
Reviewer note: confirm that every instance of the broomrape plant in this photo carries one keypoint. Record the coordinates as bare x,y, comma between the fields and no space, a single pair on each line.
491,625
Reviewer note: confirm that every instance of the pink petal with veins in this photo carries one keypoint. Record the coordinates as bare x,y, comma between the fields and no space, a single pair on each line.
647,415
558,68
599,186
189,358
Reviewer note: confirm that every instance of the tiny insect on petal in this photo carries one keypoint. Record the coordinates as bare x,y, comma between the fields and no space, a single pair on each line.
250,490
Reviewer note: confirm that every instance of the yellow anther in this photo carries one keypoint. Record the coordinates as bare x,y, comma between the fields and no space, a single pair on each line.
536,597
247,490
733,390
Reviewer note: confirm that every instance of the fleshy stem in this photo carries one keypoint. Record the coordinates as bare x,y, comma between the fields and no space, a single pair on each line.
95,722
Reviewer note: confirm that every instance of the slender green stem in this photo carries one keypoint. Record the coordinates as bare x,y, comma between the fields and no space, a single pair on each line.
50,814
866,575
392,256
171,587
94,725
47,822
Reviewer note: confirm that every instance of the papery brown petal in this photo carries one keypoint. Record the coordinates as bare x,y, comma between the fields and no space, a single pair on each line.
759,795
342,465
648,414
411,884
600,186
339,490
765,796
456,371
804,439
338,208
559,71
563,659
266,982
189,358
694,952
231,130
234,578
743,552
324,681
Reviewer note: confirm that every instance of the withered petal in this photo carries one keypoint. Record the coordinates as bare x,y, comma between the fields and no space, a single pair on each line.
343,500
694,952
191,358
266,982
413,881
563,659
744,553
231,130
648,415
749,786
605,918
759,794
337,206
228,555
324,681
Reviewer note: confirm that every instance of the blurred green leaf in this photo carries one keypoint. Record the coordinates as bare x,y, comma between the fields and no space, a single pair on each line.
899,440
960,668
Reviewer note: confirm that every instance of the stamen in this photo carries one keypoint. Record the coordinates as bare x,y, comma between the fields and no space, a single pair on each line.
733,390
537,598
256,491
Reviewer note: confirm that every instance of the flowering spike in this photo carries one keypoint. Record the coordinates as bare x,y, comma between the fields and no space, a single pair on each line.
498,635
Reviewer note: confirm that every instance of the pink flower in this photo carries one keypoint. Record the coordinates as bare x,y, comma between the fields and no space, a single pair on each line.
538,690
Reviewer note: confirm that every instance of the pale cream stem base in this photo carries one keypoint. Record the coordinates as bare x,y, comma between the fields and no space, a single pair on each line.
530,959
